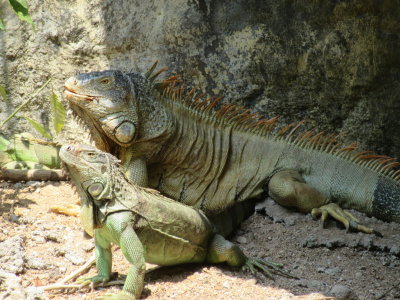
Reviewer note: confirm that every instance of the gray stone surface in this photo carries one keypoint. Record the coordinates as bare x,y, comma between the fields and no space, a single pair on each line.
12,255
11,289
333,63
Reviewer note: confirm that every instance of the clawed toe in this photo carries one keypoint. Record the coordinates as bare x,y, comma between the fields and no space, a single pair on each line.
350,222
263,265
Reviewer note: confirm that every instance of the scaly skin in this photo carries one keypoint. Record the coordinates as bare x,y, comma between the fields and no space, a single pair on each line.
214,160
144,224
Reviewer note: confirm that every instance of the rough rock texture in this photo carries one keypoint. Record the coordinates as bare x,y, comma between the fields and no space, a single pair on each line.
333,63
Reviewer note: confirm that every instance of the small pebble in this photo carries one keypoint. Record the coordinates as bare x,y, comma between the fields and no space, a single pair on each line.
241,240
341,292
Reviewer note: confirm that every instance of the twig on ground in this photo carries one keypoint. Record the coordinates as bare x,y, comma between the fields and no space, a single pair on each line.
82,270
62,284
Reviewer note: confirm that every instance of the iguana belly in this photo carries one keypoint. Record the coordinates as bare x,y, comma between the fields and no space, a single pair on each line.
165,250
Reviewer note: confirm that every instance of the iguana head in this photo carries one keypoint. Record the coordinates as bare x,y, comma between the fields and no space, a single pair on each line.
105,101
89,169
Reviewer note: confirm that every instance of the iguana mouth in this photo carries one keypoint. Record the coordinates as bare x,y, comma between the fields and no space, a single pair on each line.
72,94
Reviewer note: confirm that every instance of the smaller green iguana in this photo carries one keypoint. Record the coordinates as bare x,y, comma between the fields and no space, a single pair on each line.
146,225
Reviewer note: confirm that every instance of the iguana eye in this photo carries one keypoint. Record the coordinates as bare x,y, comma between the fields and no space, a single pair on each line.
105,81
90,156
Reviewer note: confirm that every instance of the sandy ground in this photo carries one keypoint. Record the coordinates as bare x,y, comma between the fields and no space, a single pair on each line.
38,248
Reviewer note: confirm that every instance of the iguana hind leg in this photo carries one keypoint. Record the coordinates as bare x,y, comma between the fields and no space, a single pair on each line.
288,188
221,250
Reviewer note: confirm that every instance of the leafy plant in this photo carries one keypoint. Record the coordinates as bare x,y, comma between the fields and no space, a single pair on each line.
20,7
58,116
58,112
23,104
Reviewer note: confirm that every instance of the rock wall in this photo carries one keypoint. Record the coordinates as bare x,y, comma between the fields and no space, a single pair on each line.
335,64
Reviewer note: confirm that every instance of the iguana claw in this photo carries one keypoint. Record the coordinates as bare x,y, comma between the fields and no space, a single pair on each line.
252,263
350,222
92,281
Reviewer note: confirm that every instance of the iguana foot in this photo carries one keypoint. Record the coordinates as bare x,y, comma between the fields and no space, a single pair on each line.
347,219
252,263
120,296
92,281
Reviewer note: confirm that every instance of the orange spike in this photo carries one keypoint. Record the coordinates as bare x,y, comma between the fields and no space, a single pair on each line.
272,120
361,153
231,109
295,128
172,78
212,104
373,156
252,117
222,110
203,103
189,95
196,99
331,144
302,137
152,77
315,139
320,143
391,165
242,114
326,140
351,147
285,129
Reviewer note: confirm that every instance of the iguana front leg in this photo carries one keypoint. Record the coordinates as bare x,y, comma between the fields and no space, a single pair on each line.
221,250
103,261
288,188
135,168
121,229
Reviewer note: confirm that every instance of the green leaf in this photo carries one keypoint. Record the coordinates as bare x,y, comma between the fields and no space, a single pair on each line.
2,27
58,111
39,128
21,9
3,92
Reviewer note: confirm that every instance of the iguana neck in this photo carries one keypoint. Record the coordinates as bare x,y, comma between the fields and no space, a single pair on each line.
156,123
91,125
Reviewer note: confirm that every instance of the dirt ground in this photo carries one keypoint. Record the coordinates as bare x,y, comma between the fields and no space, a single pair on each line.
38,248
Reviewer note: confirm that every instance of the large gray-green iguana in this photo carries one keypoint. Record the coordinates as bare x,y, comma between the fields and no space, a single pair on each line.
212,160
146,225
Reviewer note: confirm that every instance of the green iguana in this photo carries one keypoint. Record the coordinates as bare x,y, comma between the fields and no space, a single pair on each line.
211,159
146,225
